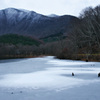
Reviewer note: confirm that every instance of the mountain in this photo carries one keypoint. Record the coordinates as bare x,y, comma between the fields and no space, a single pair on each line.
30,23
53,15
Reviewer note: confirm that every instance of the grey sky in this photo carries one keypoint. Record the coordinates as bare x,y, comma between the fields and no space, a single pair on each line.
46,7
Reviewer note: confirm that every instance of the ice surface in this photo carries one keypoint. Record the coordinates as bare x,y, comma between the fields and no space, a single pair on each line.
46,78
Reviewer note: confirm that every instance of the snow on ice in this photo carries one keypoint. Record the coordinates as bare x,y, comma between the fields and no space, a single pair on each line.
47,78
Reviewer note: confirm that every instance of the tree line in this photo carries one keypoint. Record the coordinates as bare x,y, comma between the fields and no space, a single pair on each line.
84,40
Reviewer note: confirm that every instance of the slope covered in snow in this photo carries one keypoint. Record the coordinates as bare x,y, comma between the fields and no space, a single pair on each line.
49,79
53,15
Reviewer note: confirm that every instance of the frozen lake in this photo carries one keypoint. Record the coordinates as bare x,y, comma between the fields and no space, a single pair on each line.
46,78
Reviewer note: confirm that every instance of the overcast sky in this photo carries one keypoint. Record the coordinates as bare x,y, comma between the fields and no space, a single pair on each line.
46,7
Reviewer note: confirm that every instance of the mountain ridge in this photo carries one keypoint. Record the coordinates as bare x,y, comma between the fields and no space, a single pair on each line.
24,22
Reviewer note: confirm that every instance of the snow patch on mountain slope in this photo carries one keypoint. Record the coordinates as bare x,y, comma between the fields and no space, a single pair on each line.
53,15
19,14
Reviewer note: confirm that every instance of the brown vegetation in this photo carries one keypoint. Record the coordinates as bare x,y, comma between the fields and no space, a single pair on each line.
83,42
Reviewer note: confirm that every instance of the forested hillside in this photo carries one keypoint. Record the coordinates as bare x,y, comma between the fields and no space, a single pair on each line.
16,46
18,39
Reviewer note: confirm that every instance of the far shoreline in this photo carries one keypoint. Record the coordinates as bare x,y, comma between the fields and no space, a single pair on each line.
26,57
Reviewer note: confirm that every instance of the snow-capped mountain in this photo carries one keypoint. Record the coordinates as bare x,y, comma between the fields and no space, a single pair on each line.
53,15
20,21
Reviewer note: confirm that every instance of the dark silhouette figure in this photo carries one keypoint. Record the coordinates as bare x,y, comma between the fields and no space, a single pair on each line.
72,74
98,74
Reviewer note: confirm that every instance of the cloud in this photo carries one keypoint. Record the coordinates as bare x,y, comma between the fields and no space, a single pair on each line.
60,7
